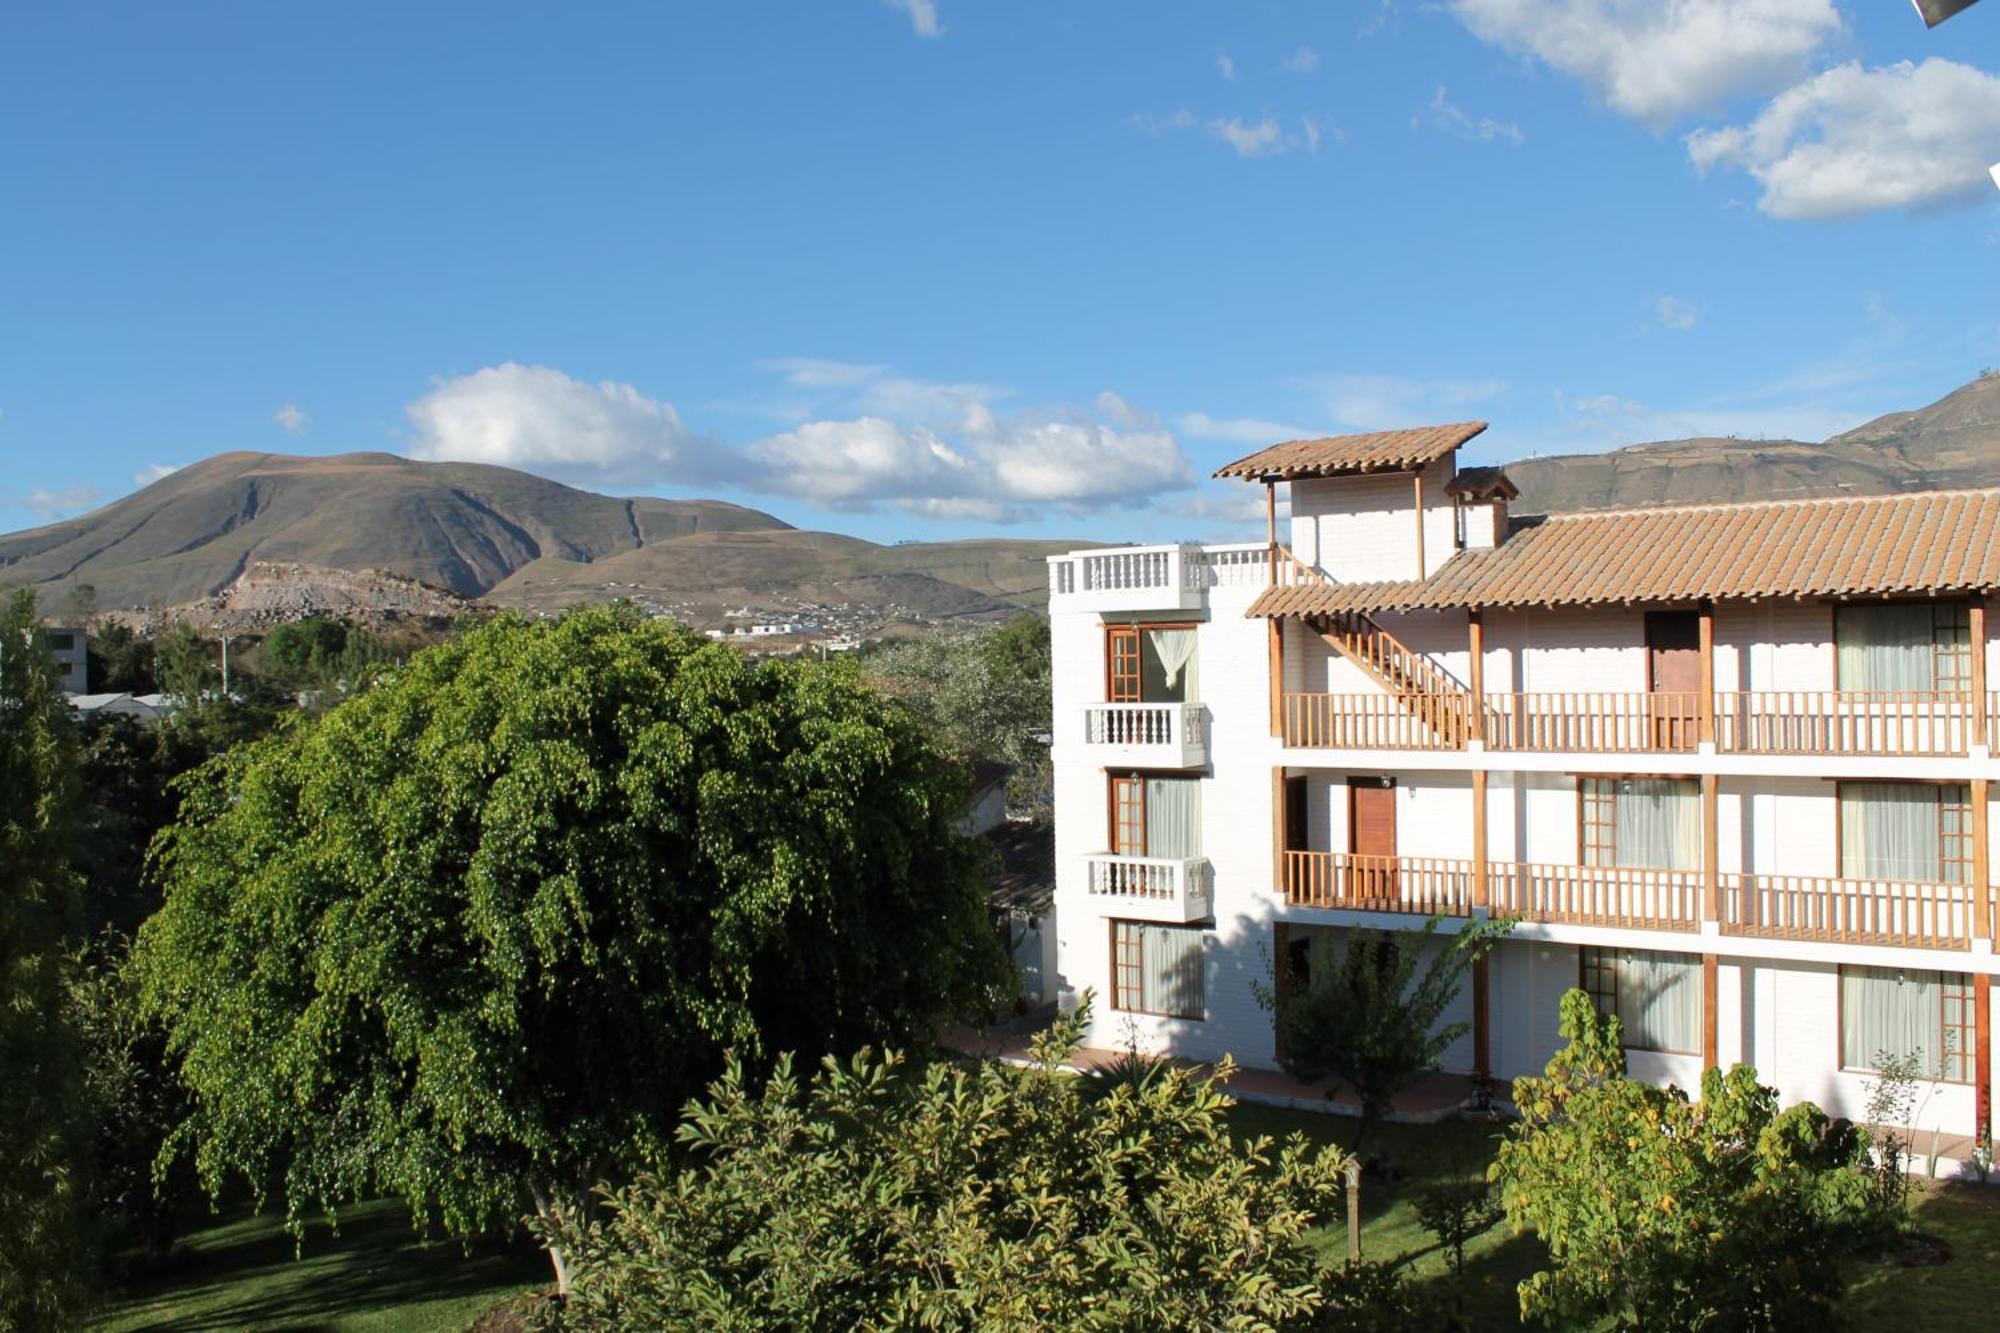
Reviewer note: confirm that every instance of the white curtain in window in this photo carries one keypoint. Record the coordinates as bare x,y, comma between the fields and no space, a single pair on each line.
1170,970
1173,817
1885,647
1659,1000
1883,1009
1167,666
1657,823
1889,830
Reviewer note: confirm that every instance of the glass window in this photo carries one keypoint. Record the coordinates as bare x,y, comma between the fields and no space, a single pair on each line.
1157,969
1915,832
1902,646
1651,822
1156,816
1655,996
1167,666
1892,1011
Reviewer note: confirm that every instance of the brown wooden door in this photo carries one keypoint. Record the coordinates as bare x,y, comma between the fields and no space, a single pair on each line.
1128,816
1673,677
1296,826
1121,664
1371,836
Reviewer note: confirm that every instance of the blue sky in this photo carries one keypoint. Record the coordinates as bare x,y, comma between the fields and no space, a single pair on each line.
971,267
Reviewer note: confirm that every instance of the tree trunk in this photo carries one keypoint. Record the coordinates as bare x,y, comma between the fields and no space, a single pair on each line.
546,1210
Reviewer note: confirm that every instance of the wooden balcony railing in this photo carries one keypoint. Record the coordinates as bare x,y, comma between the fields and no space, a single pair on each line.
1374,721
1420,884
1593,722
1810,722
1627,896
1850,911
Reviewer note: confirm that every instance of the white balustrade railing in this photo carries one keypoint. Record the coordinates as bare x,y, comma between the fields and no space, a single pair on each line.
1163,726
1153,888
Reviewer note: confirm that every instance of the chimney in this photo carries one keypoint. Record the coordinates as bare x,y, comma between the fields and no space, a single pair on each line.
1479,496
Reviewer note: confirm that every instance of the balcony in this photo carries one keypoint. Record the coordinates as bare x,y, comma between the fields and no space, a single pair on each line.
1142,735
1151,888
1851,911
1129,578
1422,884
1627,897
1770,722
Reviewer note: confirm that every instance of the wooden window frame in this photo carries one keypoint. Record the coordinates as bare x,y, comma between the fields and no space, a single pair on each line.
1115,681
1948,813
1584,822
1958,660
1959,992
1606,961
1131,960
1126,792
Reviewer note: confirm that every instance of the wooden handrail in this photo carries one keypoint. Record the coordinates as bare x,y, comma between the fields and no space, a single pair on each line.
1850,911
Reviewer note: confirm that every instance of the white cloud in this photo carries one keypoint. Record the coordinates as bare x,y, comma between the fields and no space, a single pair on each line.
153,472
291,419
1850,141
811,372
1659,60
538,418
923,16
1453,119
1250,431
1385,402
1261,138
987,468
1226,67
62,503
1676,314
1302,61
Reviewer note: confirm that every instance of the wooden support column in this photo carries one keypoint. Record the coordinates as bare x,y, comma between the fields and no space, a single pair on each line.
1709,968
1278,837
1421,571
1277,632
1982,870
1705,706
1480,873
1982,1058
1475,644
1271,527
1711,874
1482,1018
1976,625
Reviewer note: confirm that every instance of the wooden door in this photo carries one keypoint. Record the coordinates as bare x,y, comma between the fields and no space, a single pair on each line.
1121,664
1371,837
1673,677
1297,829
1128,816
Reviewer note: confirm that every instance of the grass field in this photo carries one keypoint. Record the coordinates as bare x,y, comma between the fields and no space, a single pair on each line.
376,1276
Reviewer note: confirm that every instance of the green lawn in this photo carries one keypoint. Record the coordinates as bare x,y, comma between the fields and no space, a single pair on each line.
1963,1294
374,1277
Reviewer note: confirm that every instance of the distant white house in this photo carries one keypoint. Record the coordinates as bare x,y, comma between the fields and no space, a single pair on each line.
69,645
146,707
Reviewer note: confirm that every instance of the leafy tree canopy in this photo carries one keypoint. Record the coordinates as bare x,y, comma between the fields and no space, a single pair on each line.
474,936
958,1197
1664,1213
984,695
43,1248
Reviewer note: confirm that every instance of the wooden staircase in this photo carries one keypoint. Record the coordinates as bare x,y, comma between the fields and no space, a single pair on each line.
1420,687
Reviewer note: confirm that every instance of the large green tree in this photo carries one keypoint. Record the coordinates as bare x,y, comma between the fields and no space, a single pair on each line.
958,1197
474,936
42,1125
1664,1213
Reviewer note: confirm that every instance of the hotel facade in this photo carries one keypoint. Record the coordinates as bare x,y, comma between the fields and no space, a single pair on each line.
1727,765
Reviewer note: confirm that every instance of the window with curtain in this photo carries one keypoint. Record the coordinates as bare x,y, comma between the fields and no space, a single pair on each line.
1916,832
1158,969
1902,646
1649,822
1156,816
1167,666
1892,1011
1655,996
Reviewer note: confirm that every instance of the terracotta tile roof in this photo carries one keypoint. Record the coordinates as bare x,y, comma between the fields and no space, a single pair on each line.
1383,451
1877,545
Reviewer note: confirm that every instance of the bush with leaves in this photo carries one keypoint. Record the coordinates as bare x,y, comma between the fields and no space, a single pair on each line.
473,937
44,1247
1663,1213
1369,1012
960,1197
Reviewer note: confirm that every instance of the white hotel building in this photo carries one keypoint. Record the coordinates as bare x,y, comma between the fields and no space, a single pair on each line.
1728,764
